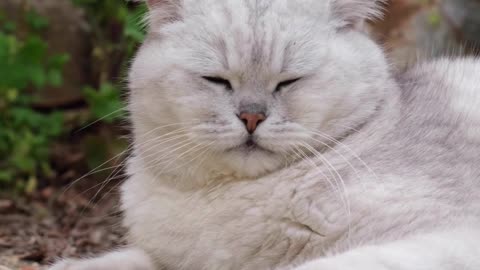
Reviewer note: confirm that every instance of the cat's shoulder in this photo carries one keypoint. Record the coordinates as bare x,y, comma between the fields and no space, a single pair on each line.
454,83
457,71
448,74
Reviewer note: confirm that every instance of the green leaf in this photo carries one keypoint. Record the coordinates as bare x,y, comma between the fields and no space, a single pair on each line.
34,50
58,61
36,21
11,94
6,176
9,26
38,77
134,29
32,184
55,124
105,103
55,77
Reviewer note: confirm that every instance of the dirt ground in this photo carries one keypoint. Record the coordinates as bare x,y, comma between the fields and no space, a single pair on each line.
35,231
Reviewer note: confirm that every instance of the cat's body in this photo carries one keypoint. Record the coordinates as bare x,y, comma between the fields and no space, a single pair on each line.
390,180
423,168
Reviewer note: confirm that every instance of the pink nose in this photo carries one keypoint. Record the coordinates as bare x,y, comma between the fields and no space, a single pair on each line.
252,120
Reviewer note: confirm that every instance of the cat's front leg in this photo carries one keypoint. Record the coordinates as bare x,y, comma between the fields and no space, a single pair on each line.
454,250
127,259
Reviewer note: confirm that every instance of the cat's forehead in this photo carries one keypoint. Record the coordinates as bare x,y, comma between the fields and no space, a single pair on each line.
261,34
252,11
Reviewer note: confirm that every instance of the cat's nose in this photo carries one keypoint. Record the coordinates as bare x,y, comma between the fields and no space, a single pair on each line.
252,120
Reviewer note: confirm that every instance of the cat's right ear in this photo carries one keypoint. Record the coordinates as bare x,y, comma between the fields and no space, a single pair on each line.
163,11
351,13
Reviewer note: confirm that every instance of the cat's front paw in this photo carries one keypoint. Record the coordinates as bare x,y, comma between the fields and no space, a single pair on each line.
100,264
320,265
343,264
69,265
132,259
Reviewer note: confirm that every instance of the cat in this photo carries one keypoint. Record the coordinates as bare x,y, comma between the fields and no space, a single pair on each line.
274,134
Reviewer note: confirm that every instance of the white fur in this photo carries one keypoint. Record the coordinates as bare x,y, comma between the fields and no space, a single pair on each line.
463,75
128,259
399,192
451,250
219,40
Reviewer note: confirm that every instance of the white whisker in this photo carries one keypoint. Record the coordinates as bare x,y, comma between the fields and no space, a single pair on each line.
344,194
351,151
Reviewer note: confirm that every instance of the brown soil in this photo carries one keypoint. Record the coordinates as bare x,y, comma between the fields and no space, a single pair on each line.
35,231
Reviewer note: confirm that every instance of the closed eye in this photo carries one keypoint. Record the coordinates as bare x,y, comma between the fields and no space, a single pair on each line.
219,81
284,84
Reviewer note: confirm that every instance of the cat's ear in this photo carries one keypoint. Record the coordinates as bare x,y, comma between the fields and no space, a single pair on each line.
157,3
354,12
163,11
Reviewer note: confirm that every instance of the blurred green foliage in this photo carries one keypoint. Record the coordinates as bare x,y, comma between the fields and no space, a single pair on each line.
25,133
26,66
105,102
110,12
117,31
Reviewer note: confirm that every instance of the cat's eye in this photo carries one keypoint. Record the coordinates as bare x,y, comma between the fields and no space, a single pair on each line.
284,84
219,81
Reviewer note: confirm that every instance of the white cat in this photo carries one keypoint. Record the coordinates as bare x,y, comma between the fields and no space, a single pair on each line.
271,134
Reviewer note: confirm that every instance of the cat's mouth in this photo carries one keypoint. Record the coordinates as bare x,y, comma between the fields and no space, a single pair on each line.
250,145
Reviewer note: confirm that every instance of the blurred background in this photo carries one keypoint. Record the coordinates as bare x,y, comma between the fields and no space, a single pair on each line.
63,132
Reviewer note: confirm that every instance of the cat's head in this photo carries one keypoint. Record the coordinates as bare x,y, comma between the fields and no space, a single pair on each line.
249,85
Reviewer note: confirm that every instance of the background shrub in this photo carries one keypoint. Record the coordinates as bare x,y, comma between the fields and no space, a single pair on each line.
27,66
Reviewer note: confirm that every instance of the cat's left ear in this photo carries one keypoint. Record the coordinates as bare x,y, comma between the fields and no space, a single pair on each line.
351,13
156,3
164,11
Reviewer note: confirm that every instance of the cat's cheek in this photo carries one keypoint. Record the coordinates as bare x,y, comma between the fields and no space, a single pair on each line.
307,109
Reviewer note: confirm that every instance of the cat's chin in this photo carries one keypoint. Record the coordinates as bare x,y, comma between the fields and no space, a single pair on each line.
250,148
252,161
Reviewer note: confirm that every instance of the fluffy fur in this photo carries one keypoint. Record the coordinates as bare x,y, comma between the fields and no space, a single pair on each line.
354,168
